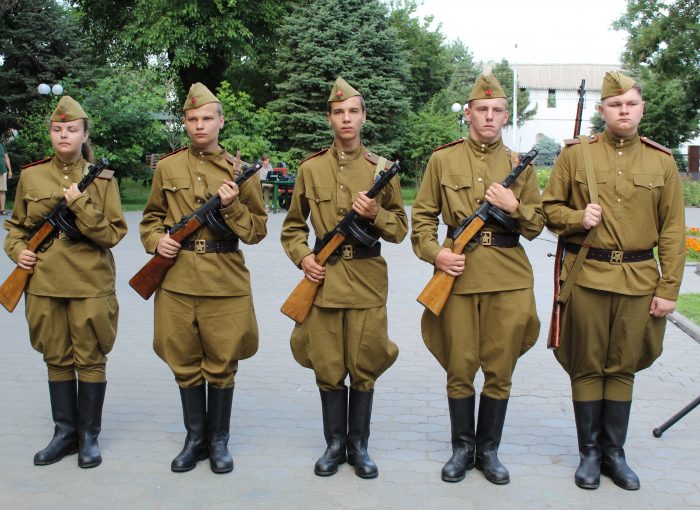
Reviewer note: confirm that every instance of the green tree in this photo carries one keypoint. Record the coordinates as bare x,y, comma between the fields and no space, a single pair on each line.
504,73
41,42
200,39
465,71
427,57
547,149
665,36
349,38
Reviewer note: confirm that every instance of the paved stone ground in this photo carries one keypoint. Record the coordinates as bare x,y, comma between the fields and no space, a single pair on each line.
276,423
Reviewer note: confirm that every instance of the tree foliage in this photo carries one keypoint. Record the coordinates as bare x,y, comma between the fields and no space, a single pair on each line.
665,36
41,43
321,42
424,50
200,38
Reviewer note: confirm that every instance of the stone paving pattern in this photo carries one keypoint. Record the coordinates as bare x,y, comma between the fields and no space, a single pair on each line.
276,430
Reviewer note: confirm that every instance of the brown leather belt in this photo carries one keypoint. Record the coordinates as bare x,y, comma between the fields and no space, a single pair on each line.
351,251
613,256
488,238
213,246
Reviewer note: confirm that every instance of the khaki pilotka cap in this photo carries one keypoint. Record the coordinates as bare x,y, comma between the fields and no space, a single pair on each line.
199,95
615,84
68,109
486,87
342,91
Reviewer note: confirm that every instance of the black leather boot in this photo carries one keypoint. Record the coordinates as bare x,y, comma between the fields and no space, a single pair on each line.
64,410
91,396
334,405
616,416
463,439
360,414
588,417
194,415
492,416
218,425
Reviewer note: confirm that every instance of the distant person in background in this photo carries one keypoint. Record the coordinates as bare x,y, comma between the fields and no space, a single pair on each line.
262,173
5,174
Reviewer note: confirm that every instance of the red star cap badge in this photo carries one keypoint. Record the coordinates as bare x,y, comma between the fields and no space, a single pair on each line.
489,92
339,93
194,100
63,116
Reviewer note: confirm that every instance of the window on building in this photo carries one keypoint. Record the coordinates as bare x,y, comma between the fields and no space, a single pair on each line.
552,98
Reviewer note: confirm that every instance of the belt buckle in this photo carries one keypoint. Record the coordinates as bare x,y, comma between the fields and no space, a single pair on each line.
348,252
486,238
200,246
616,256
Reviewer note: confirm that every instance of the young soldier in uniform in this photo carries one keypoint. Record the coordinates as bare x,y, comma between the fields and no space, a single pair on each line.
70,302
613,323
209,285
490,318
346,331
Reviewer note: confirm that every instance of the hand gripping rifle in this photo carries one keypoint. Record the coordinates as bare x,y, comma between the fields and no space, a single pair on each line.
435,294
553,340
298,304
149,277
59,218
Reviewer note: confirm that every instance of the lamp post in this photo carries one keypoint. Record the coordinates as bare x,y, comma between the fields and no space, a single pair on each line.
46,90
459,109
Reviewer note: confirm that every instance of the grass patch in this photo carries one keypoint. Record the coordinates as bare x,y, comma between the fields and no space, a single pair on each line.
134,194
689,305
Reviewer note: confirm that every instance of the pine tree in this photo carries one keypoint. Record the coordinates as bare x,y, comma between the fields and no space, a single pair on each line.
348,38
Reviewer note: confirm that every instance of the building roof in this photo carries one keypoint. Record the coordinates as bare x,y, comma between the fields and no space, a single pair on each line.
560,76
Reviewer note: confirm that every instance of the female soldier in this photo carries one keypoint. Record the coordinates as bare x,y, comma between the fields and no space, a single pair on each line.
70,302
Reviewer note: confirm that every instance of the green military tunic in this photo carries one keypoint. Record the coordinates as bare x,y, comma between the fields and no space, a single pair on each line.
642,201
353,291
71,306
471,333
202,291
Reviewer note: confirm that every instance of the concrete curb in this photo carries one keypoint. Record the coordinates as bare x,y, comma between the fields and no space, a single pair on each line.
685,325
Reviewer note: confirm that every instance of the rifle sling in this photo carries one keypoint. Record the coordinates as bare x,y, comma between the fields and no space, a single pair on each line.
583,252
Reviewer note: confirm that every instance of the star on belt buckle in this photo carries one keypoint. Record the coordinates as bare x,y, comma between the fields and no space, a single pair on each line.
348,252
486,238
200,246
616,256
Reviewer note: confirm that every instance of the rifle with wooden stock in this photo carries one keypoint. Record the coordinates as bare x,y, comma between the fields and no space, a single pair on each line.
12,289
437,291
149,277
298,305
553,340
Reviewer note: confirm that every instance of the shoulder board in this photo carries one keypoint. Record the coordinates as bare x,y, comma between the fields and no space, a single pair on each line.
374,159
657,146
449,144
174,152
576,141
322,151
45,160
106,174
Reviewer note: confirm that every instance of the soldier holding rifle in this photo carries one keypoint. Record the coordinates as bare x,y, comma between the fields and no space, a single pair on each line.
346,330
489,319
209,285
614,197
70,301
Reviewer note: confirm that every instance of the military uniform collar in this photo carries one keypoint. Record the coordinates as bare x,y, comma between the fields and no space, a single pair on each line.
208,156
347,155
484,148
67,167
618,142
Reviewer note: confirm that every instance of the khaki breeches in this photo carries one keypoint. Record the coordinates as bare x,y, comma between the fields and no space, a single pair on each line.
203,338
605,339
337,342
74,334
488,331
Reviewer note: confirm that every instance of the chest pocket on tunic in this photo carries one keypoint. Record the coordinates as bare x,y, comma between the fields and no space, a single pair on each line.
648,181
318,195
455,189
601,177
40,202
175,184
